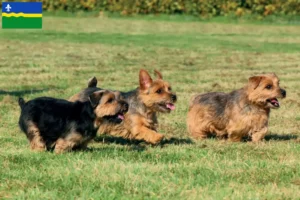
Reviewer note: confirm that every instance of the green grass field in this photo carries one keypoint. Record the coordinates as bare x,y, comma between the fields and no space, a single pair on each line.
195,57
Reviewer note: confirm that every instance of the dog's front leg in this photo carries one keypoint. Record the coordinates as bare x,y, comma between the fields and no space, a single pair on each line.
67,143
146,134
259,135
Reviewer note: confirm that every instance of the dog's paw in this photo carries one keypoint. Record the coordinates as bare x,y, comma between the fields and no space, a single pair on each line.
157,138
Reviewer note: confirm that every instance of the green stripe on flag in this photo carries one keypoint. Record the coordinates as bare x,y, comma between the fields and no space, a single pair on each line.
21,22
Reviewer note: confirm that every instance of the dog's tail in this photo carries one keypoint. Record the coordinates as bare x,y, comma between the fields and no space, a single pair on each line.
92,82
21,102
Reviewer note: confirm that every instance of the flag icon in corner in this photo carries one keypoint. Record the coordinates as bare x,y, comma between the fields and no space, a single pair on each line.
23,15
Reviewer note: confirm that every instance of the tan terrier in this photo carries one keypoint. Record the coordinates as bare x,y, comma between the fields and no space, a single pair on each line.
243,112
140,122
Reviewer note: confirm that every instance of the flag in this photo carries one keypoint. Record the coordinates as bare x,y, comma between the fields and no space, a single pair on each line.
22,15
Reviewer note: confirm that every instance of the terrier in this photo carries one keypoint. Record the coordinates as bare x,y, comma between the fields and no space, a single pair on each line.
150,98
243,112
49,122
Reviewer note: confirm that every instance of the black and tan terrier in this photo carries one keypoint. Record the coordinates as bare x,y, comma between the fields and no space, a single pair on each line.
241,113
150,98
49,122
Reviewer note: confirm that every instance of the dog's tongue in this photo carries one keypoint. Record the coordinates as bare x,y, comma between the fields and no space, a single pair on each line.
275,102
120,116
171,106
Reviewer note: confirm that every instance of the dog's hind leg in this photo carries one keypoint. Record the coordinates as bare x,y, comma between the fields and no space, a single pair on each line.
235,135
36,141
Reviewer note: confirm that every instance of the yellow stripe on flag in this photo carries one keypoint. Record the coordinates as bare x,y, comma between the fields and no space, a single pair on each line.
21,15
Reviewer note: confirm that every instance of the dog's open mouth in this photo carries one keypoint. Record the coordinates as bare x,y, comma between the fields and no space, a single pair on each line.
170,106
121,116
274,102
117,118
167,106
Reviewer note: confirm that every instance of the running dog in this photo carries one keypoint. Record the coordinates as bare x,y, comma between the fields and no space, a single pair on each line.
243,112
49,122
150,98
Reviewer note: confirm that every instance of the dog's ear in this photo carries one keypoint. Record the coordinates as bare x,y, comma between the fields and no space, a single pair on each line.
92,82
254,81
158,74
145,79
274,75
95,97
117,94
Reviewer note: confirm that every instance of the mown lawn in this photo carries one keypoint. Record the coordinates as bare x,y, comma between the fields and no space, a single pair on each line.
195,57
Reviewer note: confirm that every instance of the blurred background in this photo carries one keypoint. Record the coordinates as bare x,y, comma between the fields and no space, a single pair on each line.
259,9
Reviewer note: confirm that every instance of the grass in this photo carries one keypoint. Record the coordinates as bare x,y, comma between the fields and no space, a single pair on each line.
195,57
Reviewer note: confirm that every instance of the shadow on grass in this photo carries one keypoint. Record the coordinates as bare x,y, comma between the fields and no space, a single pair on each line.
281,137
136,148
105,139
269,137
122,141
177,141
20,92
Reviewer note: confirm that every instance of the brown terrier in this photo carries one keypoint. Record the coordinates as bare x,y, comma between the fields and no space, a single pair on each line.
140,122
243,112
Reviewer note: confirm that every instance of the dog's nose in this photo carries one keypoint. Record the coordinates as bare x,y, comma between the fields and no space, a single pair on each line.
283,92
174,97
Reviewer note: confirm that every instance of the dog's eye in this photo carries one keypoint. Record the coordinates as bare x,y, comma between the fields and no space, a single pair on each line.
169,88
110,100
159,91
269,87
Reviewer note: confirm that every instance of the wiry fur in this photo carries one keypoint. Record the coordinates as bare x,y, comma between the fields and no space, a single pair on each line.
243,112
140,122
49,122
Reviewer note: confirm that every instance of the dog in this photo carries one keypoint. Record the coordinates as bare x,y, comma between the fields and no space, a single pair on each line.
140,122
241,113
49,122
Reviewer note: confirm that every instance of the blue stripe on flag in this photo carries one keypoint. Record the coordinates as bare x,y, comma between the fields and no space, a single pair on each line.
24,7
